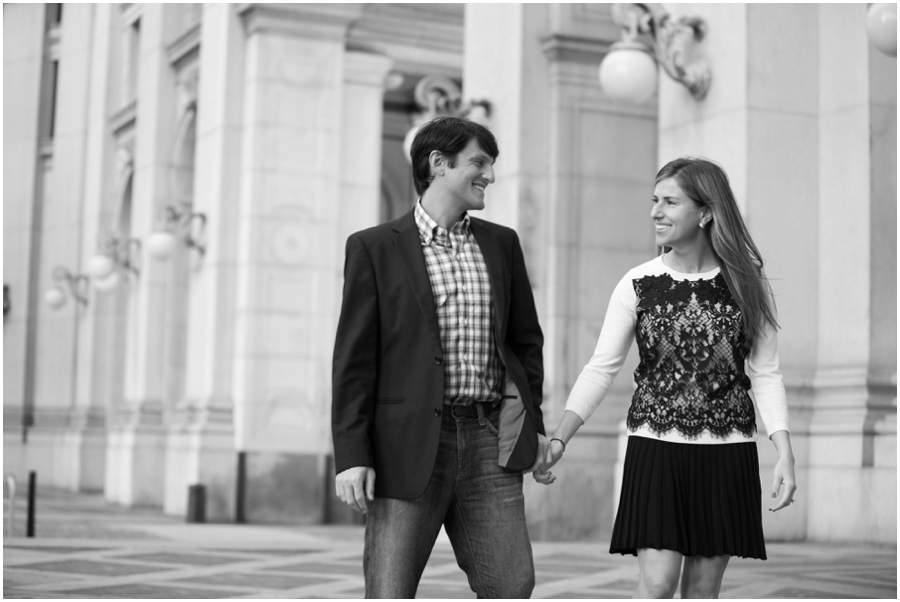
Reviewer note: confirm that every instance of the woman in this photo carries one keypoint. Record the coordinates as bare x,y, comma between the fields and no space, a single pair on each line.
691,495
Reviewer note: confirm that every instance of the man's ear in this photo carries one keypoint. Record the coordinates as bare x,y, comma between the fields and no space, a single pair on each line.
436,161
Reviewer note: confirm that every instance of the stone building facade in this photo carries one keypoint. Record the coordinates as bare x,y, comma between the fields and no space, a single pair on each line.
282,125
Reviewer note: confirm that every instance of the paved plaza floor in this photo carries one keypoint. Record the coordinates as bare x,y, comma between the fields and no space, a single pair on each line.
86,548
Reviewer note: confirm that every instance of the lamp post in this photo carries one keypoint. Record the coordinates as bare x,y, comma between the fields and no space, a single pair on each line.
628,72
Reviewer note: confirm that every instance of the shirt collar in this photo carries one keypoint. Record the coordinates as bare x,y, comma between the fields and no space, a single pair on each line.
427,225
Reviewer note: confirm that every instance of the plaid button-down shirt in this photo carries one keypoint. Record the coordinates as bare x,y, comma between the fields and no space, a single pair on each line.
465,310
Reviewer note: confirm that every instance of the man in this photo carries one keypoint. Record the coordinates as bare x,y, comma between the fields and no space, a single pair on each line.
438,370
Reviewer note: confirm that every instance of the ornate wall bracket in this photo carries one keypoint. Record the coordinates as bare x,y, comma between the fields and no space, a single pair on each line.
439,95
676,42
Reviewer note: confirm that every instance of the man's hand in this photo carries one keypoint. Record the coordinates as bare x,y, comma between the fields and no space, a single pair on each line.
356,485
539,468
552,454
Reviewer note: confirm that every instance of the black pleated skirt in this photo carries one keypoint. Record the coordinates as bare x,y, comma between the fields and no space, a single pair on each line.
697,499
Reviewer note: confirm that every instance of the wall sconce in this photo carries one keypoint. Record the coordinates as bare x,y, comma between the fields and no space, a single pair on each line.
439,95
65,281
114,252
881,26
192,226
628,72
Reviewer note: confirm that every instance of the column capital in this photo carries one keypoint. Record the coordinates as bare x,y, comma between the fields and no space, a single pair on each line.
366,68
321,21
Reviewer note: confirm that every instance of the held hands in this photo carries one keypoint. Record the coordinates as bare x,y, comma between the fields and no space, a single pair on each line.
549,453
355,486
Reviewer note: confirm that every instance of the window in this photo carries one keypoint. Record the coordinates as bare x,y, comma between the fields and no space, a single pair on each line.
133,54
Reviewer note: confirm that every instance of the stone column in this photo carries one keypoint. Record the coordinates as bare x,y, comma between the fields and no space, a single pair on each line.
573,171
796,117
362,108
52,452
136,437
292,169
853,429
23,63
85,440
200,448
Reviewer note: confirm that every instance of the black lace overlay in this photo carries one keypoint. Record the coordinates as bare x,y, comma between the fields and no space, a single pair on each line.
692,348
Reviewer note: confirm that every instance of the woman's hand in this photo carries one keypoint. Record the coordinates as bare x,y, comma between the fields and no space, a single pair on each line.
784,479
554,450
554,453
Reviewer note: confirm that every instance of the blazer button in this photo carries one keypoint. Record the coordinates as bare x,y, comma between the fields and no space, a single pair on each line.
437,412
438,360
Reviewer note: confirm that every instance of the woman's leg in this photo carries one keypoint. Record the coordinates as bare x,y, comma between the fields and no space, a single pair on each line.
659,573
702,576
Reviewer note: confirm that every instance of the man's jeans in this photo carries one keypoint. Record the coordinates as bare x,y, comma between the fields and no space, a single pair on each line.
481,506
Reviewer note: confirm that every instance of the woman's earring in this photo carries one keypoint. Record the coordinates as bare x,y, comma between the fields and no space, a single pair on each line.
702,224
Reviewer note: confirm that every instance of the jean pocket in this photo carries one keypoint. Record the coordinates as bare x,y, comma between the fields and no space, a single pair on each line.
386,400
489,423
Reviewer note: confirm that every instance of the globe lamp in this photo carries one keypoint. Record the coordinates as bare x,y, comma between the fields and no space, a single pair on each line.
628,72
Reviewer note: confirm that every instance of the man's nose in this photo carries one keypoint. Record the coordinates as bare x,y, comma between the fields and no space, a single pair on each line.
489,174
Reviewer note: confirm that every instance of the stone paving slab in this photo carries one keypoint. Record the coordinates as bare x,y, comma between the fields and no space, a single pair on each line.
169,559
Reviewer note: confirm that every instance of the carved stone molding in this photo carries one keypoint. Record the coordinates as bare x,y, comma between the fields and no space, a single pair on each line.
123,120
566,48
185,46
311,21
366,68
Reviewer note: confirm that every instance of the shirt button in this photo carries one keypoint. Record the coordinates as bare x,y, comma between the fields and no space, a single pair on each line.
437,360
437,412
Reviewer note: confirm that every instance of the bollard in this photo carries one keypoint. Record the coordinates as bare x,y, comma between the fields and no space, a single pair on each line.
32,494
196,510
239,515
11,486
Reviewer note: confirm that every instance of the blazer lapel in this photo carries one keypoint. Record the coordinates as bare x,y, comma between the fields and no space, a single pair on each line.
409,247
493,257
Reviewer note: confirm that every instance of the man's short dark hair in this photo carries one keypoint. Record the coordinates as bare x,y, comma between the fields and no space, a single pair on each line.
449,135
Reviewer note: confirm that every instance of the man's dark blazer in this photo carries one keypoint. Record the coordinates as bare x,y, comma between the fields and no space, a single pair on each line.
388,373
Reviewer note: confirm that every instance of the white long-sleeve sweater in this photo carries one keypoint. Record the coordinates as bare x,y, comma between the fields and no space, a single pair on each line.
691,382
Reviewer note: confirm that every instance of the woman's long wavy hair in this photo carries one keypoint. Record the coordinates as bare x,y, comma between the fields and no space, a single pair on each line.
740,262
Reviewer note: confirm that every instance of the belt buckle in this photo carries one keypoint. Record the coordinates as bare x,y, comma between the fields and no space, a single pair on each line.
460,411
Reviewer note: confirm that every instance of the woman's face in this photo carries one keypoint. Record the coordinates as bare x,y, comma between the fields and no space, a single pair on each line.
676,217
